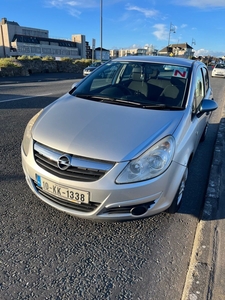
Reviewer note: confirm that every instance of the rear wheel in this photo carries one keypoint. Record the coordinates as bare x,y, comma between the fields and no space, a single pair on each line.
179,195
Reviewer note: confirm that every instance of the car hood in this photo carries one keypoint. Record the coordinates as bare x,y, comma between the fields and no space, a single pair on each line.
101,130
90,68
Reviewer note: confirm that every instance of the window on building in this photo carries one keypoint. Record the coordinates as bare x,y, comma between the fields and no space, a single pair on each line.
46,50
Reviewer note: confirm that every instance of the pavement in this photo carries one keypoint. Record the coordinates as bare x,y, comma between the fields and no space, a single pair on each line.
206,273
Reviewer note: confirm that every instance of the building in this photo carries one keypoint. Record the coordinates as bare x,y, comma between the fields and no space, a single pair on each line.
103,54
114,53
181,50
16,40
133,51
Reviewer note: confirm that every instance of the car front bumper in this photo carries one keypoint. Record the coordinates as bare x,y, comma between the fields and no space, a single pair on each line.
218,74
109,201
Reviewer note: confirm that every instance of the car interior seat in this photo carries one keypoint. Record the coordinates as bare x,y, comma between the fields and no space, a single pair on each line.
138,83
173,93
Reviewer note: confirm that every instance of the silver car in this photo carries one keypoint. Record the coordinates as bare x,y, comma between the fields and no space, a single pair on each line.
119,144
91,68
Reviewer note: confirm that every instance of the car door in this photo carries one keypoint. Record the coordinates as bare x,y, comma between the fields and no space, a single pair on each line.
202,90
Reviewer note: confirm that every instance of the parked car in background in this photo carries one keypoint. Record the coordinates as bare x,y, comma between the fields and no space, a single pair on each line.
219,70
91,68
118,146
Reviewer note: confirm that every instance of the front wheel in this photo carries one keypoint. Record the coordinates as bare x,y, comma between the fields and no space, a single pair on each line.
179,195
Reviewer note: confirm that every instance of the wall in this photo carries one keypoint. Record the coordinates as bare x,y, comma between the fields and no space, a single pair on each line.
28,67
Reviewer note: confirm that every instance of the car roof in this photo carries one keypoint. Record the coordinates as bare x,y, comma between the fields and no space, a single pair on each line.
159,59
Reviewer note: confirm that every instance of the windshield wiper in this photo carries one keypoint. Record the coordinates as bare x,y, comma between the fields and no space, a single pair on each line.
87,96
128,103
163,106
109,100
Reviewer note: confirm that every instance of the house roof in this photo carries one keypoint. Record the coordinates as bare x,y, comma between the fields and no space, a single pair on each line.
181,46
99,48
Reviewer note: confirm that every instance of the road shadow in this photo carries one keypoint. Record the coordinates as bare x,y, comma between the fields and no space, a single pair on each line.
214,208
205,190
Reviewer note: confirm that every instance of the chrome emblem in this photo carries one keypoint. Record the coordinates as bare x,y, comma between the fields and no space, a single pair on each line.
63,162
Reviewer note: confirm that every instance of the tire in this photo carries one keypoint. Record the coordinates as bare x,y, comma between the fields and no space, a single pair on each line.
179,195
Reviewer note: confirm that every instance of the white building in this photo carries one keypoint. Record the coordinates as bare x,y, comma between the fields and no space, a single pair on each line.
16,40
181,50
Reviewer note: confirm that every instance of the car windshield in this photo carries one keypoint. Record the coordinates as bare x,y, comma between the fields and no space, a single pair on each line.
96,64
220,66
143,84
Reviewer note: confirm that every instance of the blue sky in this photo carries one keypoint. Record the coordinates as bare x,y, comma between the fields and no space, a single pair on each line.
127,24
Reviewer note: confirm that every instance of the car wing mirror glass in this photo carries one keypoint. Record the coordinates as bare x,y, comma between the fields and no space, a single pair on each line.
207,106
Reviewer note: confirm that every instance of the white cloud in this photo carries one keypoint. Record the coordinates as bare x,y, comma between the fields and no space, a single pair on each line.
68,6
148,13
161,32
71,3
201,3
205,52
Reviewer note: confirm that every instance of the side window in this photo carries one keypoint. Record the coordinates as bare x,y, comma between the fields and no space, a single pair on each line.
206,79
104,76
199,89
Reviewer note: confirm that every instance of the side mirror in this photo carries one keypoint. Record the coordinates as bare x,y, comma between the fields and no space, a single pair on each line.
74,85
207,106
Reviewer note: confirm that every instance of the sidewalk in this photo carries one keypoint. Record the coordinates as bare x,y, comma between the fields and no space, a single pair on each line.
206,275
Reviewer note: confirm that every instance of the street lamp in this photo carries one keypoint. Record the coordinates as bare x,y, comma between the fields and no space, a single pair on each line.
172,29
193,42
101,29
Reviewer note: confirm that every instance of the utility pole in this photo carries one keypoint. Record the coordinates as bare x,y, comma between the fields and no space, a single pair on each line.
172,29
101,29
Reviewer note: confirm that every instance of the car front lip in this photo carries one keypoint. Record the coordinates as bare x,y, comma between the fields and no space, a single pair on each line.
218,73
112,201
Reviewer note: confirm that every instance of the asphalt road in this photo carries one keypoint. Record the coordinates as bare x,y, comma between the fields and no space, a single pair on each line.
46,254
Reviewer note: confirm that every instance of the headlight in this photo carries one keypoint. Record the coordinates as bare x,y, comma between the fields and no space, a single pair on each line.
27,133
150,164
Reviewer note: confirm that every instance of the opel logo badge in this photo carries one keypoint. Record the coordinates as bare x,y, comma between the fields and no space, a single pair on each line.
63,162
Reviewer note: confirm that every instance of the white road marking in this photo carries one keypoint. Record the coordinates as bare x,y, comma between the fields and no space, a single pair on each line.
22,98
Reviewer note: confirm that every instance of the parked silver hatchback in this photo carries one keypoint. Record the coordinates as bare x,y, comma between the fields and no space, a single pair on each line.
119,144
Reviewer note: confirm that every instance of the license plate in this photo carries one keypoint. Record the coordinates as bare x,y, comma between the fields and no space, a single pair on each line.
67,193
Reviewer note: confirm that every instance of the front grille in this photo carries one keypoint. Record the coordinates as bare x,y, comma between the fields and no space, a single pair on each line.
83,207
80,169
